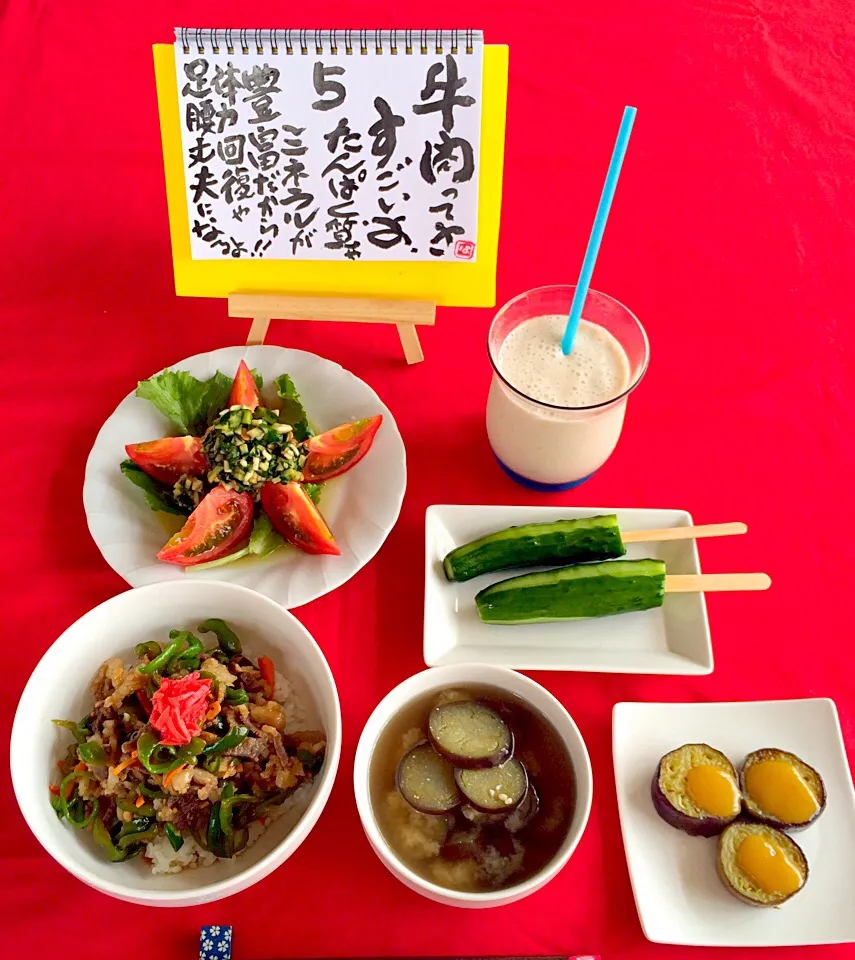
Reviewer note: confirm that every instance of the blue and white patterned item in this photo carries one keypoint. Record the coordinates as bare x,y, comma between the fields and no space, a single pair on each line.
215,943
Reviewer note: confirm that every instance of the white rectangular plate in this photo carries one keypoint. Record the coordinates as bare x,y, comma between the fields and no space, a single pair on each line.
673,639
679,896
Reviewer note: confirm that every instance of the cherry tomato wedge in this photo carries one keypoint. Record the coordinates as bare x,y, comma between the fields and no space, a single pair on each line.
296,518
220,523
336,451
167,459
244,390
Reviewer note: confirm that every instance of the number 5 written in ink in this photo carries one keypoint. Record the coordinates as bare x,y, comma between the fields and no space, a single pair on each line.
324,86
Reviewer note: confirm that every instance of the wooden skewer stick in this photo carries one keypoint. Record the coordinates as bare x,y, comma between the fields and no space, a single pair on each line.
684,533
708,582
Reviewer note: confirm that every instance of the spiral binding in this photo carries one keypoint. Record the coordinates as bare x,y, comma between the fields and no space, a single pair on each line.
327,42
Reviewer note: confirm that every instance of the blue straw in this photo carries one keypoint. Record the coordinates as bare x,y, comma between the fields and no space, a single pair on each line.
596,238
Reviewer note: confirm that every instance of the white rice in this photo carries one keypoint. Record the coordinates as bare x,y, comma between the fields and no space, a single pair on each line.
299,716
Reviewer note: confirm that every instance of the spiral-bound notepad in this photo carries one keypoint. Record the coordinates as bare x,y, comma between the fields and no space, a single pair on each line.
292,156
331,145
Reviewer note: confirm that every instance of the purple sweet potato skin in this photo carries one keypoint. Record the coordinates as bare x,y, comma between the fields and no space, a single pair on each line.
694,826
753,812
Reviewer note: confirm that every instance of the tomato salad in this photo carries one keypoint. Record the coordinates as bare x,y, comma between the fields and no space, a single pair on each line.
248,476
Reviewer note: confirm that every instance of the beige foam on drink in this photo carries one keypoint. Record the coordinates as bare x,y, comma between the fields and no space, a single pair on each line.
596,370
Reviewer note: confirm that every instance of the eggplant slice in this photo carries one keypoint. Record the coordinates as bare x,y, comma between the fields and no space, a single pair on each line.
525,812
696,789
494,789
470,735
426,781
461,844
780,789
759,864
480,818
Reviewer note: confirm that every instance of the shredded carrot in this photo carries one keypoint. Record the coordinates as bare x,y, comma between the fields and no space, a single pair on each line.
140,801
127,762
54,789
171,775
268,673
214,710
80,766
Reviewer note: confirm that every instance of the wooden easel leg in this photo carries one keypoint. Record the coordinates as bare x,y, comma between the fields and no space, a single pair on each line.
257,331
410,342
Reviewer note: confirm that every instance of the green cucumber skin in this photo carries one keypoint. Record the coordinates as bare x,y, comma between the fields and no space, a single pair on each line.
537,544
574,593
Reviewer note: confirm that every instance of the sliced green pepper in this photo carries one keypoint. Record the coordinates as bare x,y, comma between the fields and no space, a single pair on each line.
237,696
235,736
77,815
144,810
168,652
189,752
143,838
214,833
73,808
190,655
212,763
173,836
56,803
142,830
227,801
92,752
158,759
221,838
226,637
148,649
149,792
102,837
76,729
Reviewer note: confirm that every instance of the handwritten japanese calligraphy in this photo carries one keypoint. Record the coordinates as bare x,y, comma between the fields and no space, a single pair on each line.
320,152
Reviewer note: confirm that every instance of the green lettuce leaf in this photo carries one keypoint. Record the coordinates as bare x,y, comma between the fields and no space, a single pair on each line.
189,403
262,542
291,409
314,490
156,494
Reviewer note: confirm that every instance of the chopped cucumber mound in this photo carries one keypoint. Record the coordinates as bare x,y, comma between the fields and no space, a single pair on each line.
246,448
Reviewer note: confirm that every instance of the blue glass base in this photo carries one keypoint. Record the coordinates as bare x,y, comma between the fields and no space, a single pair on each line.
536,485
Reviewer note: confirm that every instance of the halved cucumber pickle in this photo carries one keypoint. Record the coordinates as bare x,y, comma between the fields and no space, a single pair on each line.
470,735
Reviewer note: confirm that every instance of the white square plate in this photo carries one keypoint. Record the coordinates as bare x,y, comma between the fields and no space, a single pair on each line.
675,638
679,896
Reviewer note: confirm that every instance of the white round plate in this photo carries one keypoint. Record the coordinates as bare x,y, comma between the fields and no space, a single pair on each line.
360,507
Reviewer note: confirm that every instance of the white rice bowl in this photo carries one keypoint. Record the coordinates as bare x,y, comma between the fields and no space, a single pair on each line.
59,688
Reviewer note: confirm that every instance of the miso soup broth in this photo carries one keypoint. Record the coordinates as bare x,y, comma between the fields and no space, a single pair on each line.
469,847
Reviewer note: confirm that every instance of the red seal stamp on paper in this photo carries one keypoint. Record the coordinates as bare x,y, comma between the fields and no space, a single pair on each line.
464,249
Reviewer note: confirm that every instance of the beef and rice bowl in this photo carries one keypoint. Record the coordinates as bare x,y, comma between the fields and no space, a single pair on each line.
187,753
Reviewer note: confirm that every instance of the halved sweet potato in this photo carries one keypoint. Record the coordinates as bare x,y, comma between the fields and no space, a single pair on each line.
780,789
759,864
696,789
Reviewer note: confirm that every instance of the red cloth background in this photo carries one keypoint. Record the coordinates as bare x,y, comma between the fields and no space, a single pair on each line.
731,238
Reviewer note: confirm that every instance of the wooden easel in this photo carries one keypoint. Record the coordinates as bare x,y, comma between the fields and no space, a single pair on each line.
405,314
